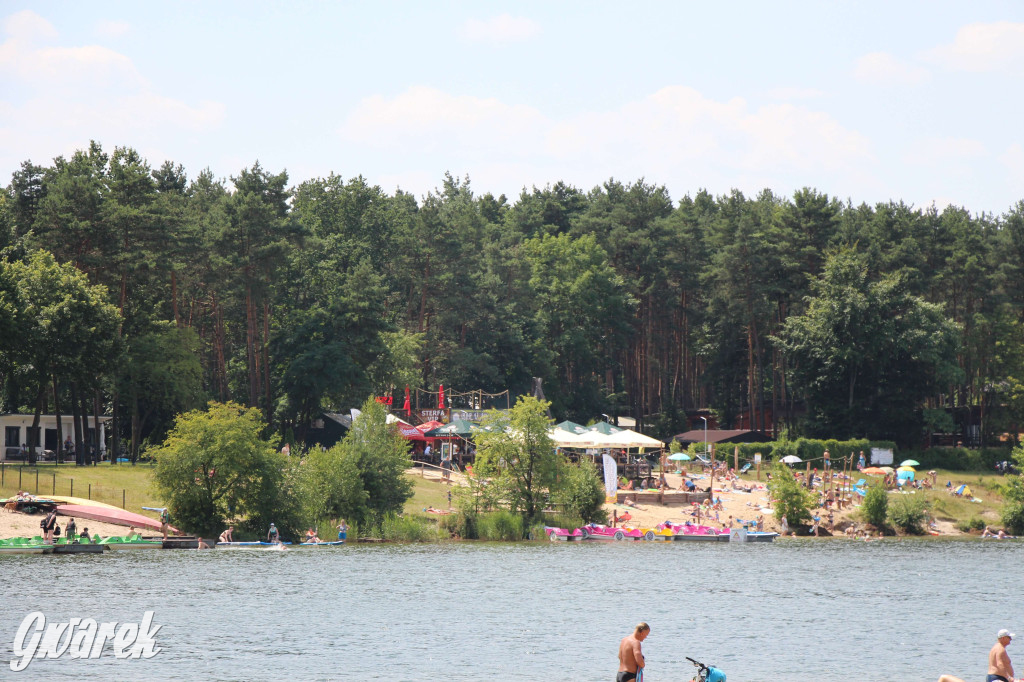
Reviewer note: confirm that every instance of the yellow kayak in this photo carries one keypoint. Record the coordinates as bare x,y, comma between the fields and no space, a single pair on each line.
64,499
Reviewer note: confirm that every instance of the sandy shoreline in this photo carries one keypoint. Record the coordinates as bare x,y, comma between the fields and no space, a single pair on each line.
738,505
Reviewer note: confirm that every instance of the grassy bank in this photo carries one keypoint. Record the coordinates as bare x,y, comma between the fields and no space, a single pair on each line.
117,484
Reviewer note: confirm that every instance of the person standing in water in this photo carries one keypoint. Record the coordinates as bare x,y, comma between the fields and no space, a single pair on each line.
272,535
631,655
999,667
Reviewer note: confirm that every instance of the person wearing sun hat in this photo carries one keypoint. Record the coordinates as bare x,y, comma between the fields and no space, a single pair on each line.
999,667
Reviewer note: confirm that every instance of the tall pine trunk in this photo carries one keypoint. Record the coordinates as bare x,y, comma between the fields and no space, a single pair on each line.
60,426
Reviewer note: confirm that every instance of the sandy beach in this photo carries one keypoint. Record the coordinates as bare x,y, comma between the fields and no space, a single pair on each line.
738,505
16,524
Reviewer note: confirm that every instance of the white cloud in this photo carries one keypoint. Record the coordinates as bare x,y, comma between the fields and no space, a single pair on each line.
27,25
983,47
435,120
946,151
675,134
794,93
112,29
882,68
1013,160
69,94
503,28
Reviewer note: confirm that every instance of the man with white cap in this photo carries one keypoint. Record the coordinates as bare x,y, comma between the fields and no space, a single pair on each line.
999,667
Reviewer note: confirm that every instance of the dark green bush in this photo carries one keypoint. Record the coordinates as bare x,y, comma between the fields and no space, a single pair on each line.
909,513
500,525
967,525
461,525
876,506
408,529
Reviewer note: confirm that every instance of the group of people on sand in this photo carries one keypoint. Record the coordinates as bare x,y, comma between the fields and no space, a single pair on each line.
51,530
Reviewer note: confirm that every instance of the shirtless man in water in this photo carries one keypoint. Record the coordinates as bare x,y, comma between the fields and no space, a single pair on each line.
631,657
999,667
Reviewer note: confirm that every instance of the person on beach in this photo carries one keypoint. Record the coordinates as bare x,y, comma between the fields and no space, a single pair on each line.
228,535
48,524
71,530
165,521
273,536
342,530
631,656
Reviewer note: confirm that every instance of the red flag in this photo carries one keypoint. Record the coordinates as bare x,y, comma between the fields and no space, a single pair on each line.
407,408
440,398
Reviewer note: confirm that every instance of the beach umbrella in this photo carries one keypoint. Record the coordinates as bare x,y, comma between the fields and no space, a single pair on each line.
888,470
873,471
791,459
905,468
679,457
910,463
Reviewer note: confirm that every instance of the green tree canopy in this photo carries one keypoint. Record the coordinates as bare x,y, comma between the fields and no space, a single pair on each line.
866,352
517,454
215,465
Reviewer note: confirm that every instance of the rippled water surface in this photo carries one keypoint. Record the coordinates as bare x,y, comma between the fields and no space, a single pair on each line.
792,610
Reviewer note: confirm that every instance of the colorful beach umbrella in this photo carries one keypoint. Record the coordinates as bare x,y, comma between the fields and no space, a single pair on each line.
679,457
910,463
873,471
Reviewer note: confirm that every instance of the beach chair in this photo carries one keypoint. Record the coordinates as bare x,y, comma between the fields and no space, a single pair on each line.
746,468
860,483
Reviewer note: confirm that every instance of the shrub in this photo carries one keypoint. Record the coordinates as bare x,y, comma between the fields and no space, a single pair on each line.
876,506
967,525
581,492
791,499
500,525
462,525
408,529
1013,510
565,521
1013,518
909,513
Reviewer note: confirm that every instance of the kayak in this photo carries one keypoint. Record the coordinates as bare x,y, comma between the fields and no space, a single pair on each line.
110,515
333,543
229,545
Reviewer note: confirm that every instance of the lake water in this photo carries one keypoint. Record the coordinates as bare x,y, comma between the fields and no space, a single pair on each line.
793,610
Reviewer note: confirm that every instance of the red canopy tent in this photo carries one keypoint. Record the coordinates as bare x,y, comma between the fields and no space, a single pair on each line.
416,432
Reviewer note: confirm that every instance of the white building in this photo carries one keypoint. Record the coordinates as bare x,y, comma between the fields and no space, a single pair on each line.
17,431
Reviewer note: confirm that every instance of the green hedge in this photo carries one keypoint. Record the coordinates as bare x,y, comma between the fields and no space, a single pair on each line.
812,450
960,459
807,449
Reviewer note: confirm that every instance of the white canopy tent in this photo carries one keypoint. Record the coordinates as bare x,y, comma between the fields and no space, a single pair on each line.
632,439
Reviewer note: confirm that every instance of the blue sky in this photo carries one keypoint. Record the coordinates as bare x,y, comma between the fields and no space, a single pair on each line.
867,101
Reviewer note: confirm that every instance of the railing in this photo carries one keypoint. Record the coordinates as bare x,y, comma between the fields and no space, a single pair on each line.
14,478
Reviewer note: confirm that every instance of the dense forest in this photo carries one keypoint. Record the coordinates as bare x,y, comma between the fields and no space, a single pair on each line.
141,292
